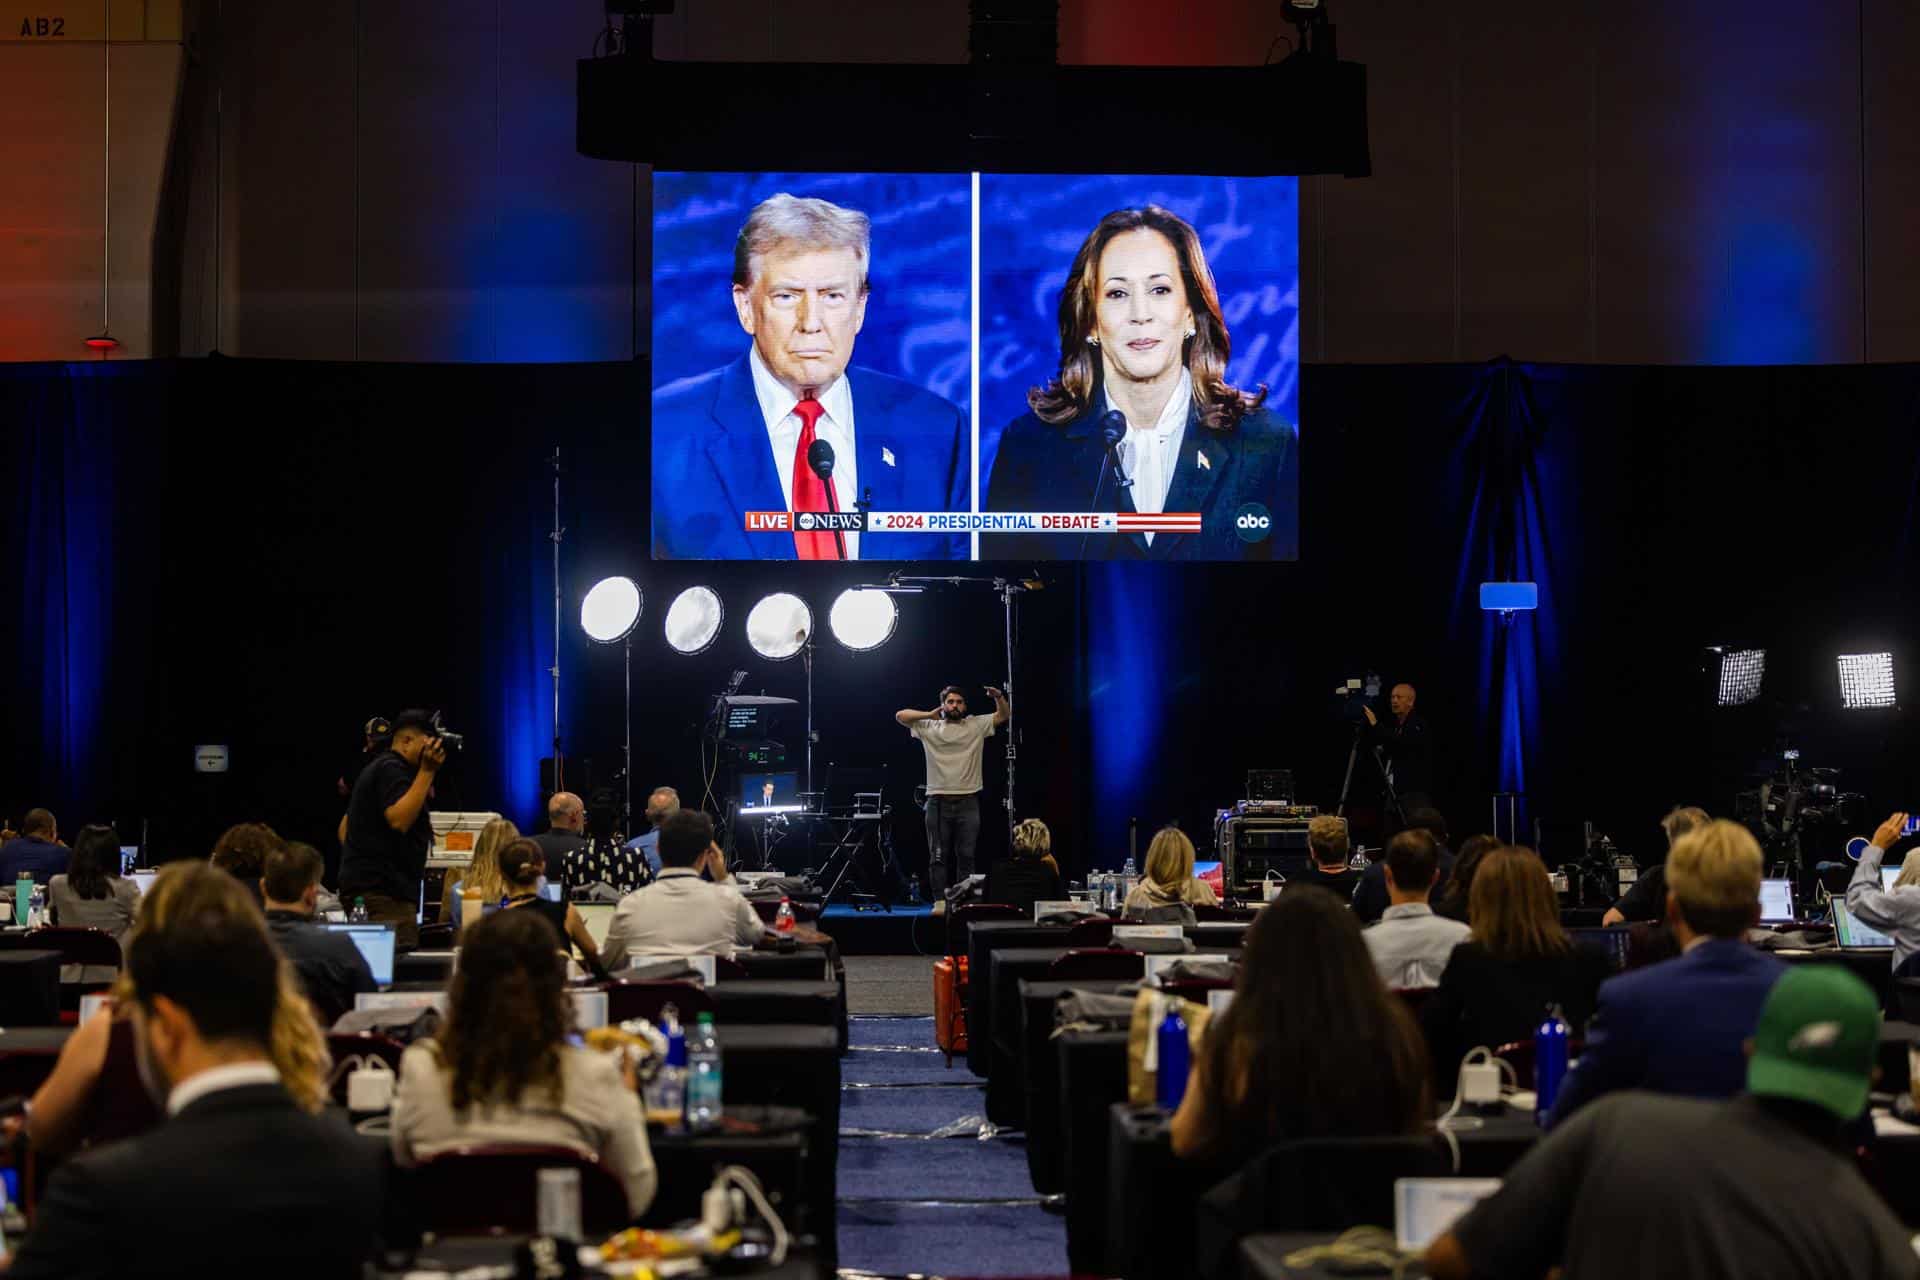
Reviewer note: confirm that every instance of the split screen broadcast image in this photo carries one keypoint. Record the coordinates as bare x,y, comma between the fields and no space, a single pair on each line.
975,366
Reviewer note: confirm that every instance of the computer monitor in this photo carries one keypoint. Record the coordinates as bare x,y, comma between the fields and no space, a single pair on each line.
375,942
129,857
1850,934
1612,943
553,891
1890,874
1776,902
770,793
1211,874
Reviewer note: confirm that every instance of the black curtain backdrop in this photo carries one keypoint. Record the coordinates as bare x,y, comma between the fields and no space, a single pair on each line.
263,554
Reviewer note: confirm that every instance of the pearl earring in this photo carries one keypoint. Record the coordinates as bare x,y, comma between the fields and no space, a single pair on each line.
1191,332
1093,339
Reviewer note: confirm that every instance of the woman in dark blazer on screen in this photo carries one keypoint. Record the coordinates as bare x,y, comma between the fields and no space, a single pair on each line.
1143,359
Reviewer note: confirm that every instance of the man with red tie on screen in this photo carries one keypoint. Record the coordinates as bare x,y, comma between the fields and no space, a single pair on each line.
789,427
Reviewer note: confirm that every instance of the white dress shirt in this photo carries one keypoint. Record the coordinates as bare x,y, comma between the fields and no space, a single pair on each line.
235,1075
835,427
1411,946
680,914
1150,454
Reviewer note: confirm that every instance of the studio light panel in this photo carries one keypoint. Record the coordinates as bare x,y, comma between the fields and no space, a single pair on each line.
1866,680
1741,674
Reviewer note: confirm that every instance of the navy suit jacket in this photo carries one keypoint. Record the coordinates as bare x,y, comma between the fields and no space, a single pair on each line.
1675,1027
712,463
1043,467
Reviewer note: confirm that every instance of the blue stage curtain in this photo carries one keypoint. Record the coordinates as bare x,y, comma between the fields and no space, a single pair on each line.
76,481
1502,476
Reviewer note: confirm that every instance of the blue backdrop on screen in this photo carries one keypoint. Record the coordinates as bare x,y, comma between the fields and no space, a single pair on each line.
918,319
1033,225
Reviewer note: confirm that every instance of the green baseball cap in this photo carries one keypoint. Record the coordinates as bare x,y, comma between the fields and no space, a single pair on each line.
1818,1039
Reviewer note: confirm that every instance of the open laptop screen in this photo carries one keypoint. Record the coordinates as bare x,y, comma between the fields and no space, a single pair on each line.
375,942
1776,902
1851,934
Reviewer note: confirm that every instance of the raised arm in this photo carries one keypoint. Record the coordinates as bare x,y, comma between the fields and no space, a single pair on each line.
1002,708
907,719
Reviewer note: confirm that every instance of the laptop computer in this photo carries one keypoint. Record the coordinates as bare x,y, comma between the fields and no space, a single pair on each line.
1851,935
1776,902
1890,874
375,942
143,881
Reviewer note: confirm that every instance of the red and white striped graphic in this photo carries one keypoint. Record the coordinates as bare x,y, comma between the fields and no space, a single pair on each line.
1158,522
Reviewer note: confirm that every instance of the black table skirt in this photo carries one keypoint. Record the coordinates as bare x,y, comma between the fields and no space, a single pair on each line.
791,1066
27,1057
1092,1068
29,988
1040,1076
777,1155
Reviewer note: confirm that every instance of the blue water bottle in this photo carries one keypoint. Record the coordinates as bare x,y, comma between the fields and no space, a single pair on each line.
1170,1078
1549,1062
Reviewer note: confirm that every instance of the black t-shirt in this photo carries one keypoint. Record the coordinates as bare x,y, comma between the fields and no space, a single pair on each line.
554,913
330,966
1640,1184
1021,882
376,858
1647,899
564,850
1341,882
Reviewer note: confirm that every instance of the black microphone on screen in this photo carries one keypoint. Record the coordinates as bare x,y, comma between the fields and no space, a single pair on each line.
820,458
1113,429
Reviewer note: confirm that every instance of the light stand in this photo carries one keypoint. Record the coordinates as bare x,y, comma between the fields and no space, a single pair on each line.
608,614
559,765
626,739
806,660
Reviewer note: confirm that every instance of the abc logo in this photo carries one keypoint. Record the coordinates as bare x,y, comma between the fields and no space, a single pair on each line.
1252,523
805,520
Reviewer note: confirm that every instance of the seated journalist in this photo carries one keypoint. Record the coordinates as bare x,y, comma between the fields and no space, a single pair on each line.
1762,1187
502,1073
1677,1026
241,1179
681,914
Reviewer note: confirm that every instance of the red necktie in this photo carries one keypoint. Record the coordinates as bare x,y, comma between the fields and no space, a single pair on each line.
810,492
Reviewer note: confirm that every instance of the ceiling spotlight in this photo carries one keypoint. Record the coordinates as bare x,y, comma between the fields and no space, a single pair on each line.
611,610
1741,674
863,618
1866,680
779,626
693,619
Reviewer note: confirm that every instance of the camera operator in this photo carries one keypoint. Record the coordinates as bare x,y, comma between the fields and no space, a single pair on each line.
388,832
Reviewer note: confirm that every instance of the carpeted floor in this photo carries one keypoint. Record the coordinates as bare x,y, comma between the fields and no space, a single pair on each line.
890,985
915,1204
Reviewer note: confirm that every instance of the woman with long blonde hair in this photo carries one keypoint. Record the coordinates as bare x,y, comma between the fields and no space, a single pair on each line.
1169,880
93,1096
482,874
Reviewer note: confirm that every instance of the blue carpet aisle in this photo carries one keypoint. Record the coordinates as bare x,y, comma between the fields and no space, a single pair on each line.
911,1203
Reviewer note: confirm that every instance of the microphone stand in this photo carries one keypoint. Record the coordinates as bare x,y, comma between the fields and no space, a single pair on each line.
1109,457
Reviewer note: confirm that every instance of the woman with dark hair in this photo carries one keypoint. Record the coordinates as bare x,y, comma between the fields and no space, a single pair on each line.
1517,962
1312,1046
1143,358
523,868
501,1070
241,852
1455,900
92,895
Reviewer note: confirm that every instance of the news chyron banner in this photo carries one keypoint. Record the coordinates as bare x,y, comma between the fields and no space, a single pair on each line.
970,366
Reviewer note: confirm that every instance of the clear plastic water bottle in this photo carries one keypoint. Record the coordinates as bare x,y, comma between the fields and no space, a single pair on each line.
37,907
703,1075
1549,1062
668,1089
359,913
1170,1074
783,918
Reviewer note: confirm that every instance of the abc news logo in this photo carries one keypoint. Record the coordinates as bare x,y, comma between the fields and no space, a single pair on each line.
806,521
1253,523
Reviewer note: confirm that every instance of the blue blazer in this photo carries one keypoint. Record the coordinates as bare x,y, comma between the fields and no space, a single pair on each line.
1043,467
1674,1027
711,464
